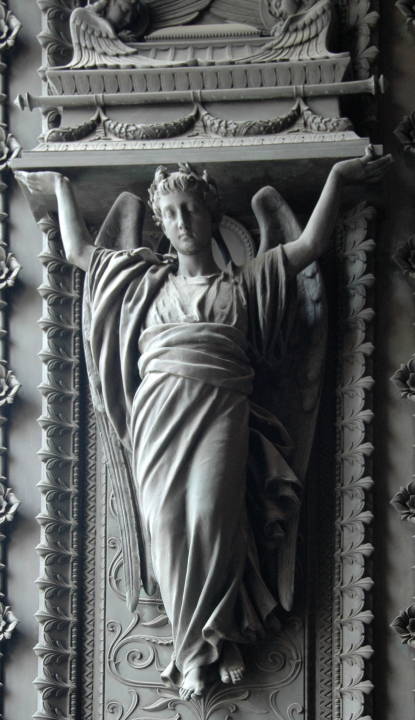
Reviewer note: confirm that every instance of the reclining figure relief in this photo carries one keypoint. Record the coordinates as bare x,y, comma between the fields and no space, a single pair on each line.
104,33
206,385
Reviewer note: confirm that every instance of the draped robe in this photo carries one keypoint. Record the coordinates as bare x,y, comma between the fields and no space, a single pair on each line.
175,358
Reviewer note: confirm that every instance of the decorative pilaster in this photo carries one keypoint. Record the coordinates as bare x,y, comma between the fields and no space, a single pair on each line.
352,649
58,549
9,385
404,379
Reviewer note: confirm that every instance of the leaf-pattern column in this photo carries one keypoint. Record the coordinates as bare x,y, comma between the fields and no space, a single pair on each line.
9,386
404,500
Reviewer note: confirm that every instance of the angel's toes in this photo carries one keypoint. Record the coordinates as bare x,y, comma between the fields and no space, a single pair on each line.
237,676
185,693
225,676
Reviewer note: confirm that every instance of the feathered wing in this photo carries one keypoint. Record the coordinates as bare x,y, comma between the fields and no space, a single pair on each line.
244,11
96,44
166,13
121,230
294,391
302,36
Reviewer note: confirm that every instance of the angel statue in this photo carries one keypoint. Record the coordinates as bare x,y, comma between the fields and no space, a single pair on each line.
205,382
102,31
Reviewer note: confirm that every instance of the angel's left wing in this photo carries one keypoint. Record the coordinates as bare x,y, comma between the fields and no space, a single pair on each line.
166,13
300,36
95,43
121,230
293,392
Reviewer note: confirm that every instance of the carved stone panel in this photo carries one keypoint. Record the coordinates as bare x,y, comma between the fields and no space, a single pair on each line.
97,659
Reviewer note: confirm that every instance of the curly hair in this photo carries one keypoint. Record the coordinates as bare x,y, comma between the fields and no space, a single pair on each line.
182,180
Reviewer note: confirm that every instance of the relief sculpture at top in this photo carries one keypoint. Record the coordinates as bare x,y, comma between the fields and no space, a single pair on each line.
104,32
205,401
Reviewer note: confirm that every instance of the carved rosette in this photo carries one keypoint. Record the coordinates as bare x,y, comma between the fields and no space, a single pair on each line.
405,134
354,481
404,625
407,10
404,502
404,257
58,549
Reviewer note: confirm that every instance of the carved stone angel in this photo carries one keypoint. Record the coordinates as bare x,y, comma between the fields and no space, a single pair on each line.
206,385
101,31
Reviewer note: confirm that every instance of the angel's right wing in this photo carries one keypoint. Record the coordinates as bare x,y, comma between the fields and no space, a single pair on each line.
292,394
94,41
299,36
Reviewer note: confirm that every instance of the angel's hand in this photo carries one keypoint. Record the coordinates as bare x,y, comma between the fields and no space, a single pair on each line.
127,36
368,169
39,183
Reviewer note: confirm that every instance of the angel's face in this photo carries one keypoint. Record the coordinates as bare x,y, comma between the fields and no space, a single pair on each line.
119,12
186,222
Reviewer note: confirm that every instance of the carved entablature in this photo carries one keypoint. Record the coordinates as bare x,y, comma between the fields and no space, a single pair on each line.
109,66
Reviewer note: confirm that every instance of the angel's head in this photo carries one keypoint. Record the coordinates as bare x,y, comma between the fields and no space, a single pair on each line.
186,206
119,13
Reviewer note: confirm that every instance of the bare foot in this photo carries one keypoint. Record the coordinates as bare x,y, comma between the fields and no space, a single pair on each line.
193,684
231,664
170,673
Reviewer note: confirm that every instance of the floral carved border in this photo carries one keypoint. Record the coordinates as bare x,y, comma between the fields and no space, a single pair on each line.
403,501
352,650
9,385
59,640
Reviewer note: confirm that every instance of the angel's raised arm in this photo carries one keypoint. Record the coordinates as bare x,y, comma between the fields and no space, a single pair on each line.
316,236
76,239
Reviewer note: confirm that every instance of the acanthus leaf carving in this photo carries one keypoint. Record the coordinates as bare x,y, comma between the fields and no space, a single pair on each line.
9,384
355,384
9,503
9,147
9,268
8,621
58,614
360,23
9,27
